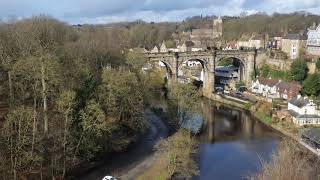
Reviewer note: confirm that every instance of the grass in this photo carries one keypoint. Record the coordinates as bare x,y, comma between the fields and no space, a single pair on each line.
264,117
247,106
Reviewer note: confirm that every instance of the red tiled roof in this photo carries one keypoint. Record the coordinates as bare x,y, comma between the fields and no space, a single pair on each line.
269,82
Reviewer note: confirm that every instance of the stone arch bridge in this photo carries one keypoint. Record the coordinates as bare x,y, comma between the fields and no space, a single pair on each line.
209,59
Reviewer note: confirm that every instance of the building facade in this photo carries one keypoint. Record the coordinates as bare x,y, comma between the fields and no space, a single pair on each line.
217,27
303,111
313,42
256,41
163,48
271,88
155,50
292,44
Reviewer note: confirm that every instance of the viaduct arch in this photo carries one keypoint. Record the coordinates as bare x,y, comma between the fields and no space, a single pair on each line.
209,61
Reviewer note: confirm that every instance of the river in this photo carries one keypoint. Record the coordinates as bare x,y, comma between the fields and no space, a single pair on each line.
232,145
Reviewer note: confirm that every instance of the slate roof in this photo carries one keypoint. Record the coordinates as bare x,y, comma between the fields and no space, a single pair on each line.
313,135
300,102
257,37
295,37
289,87
303,116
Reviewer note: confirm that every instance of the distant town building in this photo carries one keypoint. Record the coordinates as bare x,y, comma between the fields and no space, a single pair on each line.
155,49
202,36
173,50
292,44
186,46
271,88
288,90
231,46
256,41
217,27
277,42
225,74
192,63
163,48
303,111
265,87
312,138
201,33
198,48
313,42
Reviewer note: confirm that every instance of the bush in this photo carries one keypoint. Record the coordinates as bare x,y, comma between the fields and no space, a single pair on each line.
174,160
288,163
247,106
263,117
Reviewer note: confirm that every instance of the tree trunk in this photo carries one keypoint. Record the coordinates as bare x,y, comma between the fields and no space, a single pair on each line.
64,145
10,88
34,128
77,147
44,96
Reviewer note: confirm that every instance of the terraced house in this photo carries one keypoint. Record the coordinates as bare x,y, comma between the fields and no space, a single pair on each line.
272,89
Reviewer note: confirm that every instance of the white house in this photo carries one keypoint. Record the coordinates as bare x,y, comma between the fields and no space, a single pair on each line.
265,87
303,111
270,88
163,47
155,50
173,50
192,63
313,42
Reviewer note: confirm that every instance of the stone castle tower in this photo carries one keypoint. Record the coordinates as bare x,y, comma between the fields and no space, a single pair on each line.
217,27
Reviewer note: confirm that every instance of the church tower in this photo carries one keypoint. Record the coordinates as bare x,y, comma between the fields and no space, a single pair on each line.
217,27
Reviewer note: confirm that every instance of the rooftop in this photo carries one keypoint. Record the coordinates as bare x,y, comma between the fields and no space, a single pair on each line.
312,134
269,82
303,116
295,37
300,101
285,86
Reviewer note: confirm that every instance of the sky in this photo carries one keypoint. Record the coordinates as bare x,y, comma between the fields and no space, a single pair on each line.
108,11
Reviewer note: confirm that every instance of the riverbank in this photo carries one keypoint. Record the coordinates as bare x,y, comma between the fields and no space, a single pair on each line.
174,159
284,128
134,161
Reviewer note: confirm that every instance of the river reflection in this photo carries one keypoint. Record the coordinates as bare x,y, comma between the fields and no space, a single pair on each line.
232,144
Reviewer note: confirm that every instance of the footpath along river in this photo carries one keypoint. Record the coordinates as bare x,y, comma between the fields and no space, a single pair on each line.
232,146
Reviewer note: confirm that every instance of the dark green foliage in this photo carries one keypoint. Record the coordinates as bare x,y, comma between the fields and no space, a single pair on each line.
311,86
318,64
268,72
226,62
265,72
240,84
299,70
280,75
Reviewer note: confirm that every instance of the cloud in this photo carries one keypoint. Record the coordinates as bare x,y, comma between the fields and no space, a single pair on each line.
103,11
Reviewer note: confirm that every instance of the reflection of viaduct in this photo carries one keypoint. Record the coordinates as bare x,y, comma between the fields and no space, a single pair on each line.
209,60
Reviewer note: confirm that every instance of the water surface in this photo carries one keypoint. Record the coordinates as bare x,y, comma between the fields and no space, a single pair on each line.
233,144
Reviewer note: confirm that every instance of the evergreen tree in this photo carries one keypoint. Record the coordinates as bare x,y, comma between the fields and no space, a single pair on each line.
299,70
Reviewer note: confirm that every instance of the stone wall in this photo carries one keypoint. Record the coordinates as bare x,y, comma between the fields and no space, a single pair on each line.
312,67
281,64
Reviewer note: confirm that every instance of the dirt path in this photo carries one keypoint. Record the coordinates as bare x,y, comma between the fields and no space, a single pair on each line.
137,159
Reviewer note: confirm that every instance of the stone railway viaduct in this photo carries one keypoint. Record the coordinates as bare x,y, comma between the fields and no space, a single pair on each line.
209,60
